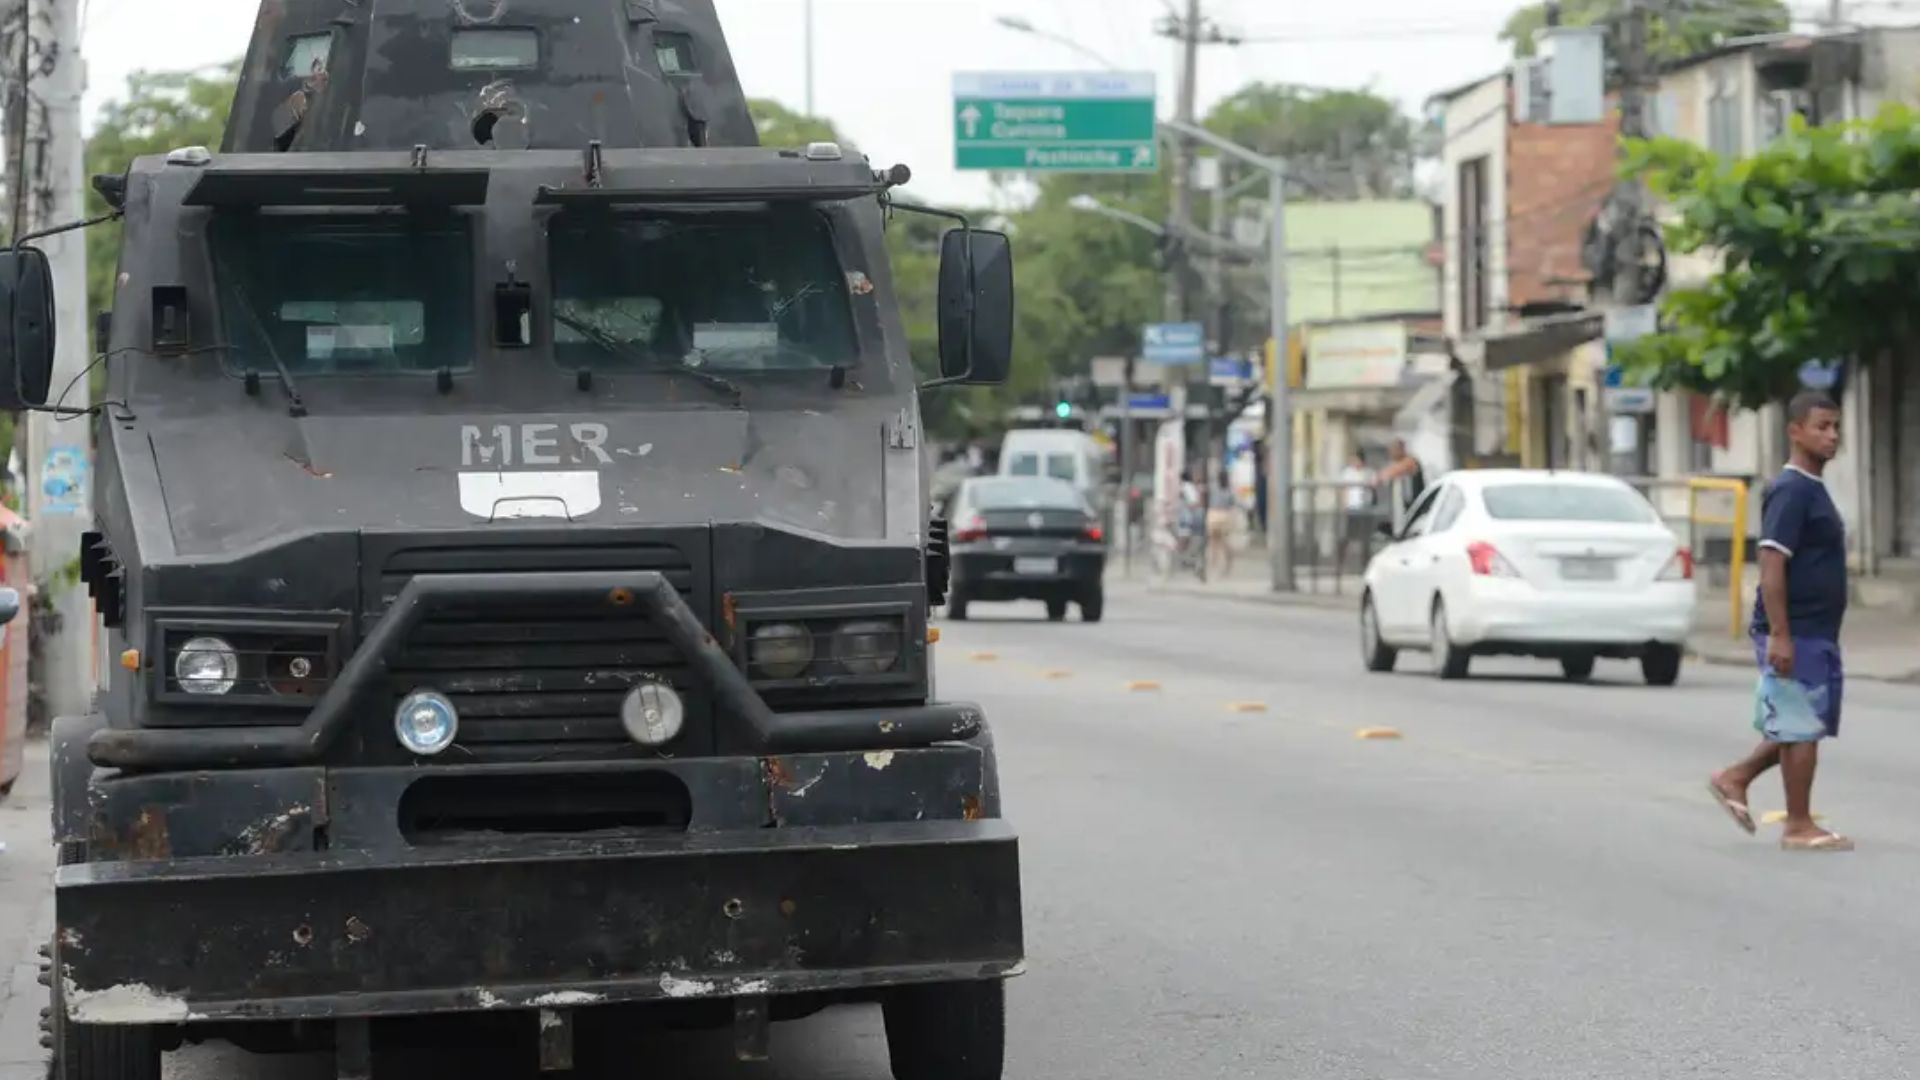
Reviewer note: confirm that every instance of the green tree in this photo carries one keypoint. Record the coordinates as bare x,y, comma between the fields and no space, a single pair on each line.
783,127
158,112
1693,29
1819,241
1339,144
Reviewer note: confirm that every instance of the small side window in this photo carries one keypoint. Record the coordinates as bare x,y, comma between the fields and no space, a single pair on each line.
307,56
675,53
495,49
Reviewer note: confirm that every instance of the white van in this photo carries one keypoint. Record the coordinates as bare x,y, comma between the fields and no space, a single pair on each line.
1072,456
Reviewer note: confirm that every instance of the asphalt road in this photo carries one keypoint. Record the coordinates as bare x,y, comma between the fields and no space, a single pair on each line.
1222,880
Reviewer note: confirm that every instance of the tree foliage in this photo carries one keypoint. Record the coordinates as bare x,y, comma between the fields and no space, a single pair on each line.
159,111
1340,144
1819,241
1691,29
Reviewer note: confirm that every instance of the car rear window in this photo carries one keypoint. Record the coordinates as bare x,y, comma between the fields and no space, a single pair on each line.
1024,494
1567,502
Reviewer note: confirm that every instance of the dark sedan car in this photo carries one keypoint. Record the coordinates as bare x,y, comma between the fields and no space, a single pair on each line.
1027,538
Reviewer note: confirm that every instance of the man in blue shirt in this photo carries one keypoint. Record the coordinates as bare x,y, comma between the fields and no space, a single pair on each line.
1796,627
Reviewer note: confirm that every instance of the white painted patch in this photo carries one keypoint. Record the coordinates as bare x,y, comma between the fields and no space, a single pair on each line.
359,127
70,940
879,761
751,986
675,987
508,496
561,999
128,1003
488,999
638,451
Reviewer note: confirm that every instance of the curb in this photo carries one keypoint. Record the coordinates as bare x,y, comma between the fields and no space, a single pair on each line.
1717,658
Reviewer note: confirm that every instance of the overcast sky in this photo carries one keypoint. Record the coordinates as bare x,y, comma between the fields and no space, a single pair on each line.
884,67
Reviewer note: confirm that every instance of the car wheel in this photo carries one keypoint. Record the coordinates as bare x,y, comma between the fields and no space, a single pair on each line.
1449,660
1056,611
947,1031
1374,651
1661,665
1577,668
1093,606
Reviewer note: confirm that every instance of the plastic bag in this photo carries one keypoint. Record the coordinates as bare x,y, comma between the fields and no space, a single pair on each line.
1784,712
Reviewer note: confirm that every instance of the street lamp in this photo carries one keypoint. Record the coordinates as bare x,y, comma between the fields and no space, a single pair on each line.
1280,404
1021,25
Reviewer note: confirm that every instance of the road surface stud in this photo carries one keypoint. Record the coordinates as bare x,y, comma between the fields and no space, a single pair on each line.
933,635
1377,733
984,657
1247,707
1143,686
1056,674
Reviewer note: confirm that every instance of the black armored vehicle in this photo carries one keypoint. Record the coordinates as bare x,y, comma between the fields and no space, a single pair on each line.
514,538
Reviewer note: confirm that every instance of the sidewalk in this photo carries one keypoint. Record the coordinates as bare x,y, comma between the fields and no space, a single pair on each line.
1879,644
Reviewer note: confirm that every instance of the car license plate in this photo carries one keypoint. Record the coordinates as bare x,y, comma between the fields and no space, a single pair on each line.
1587,569
1036,567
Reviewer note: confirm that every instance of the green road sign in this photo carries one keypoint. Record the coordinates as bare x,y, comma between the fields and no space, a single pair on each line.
1055,122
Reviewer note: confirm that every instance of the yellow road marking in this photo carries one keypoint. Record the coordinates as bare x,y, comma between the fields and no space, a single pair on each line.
1056,674
983,657
1247,707
1377,733
1143,686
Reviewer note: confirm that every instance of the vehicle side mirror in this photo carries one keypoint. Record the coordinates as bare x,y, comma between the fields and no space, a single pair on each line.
9,605
26,328
976,307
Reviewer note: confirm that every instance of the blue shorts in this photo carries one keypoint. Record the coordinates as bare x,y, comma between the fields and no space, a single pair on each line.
1817,668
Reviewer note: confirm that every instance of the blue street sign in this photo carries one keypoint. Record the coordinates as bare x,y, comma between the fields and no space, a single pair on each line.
1229,370
1174,343
1149,402
1615,377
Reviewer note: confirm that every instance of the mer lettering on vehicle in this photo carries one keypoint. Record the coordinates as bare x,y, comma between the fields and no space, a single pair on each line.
577,443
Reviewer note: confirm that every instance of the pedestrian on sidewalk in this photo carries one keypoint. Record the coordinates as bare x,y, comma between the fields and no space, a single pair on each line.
1402,465
1220,515
1796,629
1356,498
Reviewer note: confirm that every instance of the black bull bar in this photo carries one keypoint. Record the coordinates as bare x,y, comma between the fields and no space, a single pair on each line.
650,592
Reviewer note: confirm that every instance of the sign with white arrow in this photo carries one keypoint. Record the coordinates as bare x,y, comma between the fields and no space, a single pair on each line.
1055,122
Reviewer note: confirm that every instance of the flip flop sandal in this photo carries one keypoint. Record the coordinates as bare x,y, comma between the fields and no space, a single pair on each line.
1824,842
1739,812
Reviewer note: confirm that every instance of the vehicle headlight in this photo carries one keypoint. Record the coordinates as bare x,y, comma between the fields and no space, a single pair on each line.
207,666
426,722
867,648
653,714
780,650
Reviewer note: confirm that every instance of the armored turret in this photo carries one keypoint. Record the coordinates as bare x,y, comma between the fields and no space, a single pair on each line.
347,75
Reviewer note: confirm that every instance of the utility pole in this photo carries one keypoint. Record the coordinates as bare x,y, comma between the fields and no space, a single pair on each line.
1629,196
809,17
1180,219
57,460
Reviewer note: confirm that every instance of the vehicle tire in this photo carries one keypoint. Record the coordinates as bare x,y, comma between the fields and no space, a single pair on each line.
1093,606
1577,668
1449,661
956,604
1377,654
90,1051
1056,611
947,1031
1661,665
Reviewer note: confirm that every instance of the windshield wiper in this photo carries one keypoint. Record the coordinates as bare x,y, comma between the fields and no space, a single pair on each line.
625,350
296,407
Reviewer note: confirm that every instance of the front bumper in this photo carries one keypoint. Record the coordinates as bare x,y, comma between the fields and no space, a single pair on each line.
526,924
316,893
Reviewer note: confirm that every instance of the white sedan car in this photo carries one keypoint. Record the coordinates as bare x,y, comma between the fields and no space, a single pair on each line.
1564,566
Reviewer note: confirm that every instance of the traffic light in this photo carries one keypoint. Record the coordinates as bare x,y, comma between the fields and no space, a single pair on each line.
1063,410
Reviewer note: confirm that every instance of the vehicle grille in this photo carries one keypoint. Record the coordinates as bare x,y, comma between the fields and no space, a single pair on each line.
540,673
